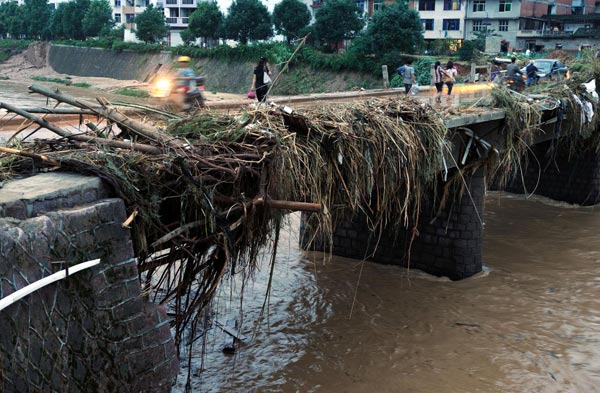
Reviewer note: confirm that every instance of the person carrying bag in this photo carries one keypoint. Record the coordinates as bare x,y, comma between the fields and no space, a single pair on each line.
261,79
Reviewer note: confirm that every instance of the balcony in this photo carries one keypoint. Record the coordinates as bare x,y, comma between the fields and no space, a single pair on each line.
177,22
544,33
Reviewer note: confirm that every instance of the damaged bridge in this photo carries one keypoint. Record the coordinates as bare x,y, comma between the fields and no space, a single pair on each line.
172,207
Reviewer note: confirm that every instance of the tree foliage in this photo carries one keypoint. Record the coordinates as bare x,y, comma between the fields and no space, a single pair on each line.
151,25
248,20
98,18
206,21
395,28
337,20
290,17
72,19
56,22
11,20
187,36
37,14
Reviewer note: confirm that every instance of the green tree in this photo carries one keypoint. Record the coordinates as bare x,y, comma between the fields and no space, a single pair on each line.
72,17
337,20
37,14
248,20
56,21
187,36
290,17
206,21
151,26
395,28
10,16
98,18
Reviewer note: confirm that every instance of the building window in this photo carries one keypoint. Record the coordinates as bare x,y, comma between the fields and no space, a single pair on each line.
505,6
478,25
361,4
117,18
377,5
503,25
451,5
426,5
427,24
451,24
129,18
117,3
478,5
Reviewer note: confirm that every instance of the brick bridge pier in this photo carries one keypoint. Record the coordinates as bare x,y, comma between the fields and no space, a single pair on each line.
449,241
92,332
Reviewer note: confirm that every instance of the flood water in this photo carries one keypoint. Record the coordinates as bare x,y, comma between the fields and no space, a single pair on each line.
529,323
16,94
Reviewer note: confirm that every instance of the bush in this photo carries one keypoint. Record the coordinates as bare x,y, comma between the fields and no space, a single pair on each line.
423,70
53,80
467,51
133,93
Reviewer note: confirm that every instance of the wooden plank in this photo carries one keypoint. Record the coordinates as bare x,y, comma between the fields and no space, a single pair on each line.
229,346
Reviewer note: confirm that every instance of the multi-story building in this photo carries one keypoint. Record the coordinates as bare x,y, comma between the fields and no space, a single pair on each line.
496,20
509,25
558,24
442,19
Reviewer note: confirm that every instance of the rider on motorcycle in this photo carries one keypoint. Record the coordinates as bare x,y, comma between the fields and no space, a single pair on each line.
514,76
186,82
186,77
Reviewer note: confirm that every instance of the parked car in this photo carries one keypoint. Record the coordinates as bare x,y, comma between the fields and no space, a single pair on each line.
550,69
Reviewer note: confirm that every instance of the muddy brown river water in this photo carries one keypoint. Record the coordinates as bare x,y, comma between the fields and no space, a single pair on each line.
529,323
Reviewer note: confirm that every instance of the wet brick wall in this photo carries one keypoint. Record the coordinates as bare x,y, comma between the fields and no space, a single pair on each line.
557,176
91,332
448,243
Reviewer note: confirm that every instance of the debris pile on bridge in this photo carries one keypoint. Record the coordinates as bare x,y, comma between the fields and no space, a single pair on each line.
571,105
206,193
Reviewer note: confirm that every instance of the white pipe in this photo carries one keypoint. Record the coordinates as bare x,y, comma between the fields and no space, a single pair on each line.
21,293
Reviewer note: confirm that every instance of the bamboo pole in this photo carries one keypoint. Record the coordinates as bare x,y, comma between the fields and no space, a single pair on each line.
139,128
40,157
82,138
285,67
60,111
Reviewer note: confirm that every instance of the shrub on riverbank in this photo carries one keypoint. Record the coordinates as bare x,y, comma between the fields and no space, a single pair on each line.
66,82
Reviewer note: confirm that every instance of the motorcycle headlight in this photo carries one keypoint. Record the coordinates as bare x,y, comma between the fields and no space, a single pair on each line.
162,88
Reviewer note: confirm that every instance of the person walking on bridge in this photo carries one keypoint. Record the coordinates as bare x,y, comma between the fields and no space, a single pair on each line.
409,76
450,76
438,73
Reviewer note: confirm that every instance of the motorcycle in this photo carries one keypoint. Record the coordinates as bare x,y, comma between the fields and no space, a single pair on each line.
514,83
183,97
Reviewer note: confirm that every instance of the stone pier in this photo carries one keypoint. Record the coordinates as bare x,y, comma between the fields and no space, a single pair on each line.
448,242
93,331
555,174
